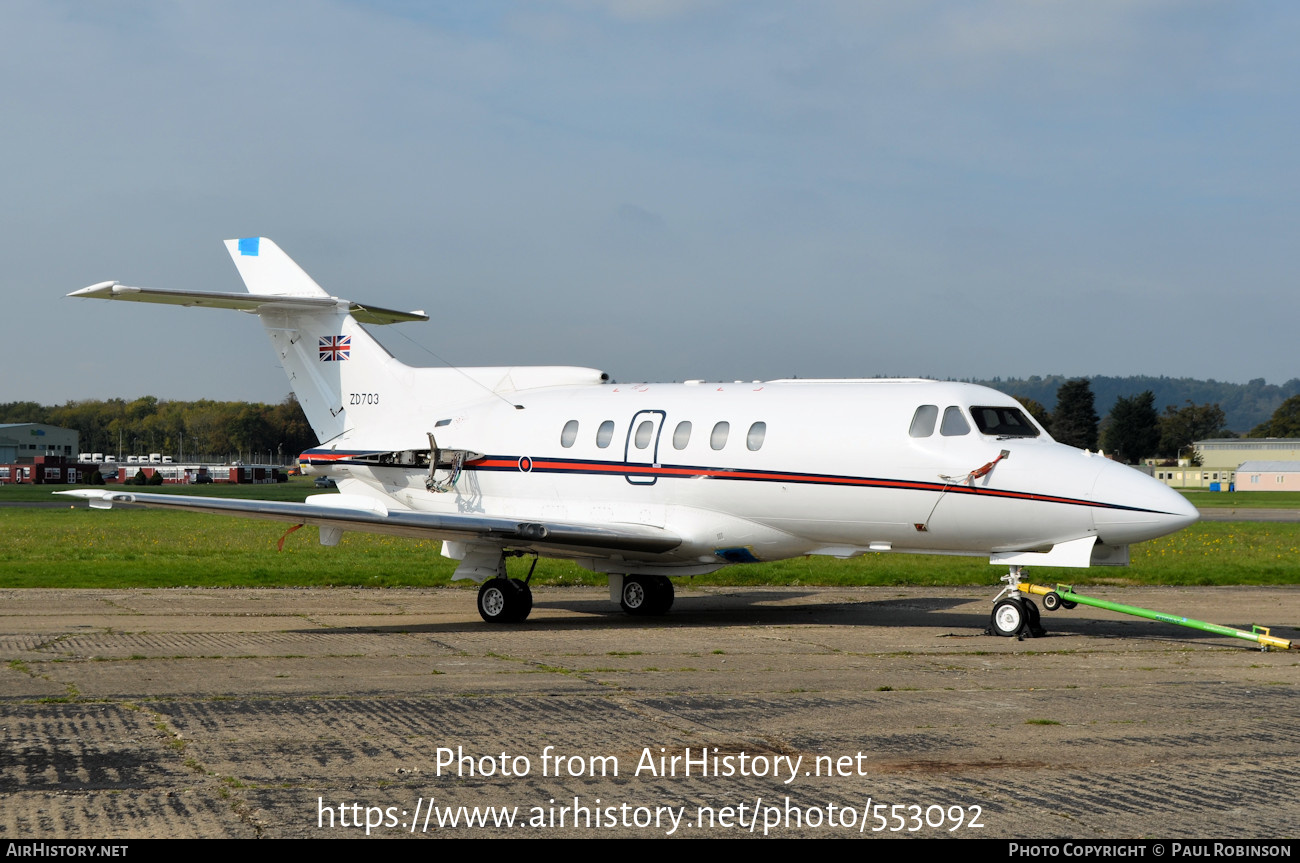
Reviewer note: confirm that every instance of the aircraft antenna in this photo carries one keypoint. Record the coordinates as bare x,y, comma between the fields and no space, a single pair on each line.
459,371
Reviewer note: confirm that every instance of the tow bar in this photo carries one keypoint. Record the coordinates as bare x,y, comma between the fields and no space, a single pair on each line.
1016,616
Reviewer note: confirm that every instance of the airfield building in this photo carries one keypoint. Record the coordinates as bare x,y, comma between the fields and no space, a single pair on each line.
1269,476
26,441
1223,459
37,453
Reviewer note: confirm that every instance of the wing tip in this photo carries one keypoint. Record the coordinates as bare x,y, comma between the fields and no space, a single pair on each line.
97,289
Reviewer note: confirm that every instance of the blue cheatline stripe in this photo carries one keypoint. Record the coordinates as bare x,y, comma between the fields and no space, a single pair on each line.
248,246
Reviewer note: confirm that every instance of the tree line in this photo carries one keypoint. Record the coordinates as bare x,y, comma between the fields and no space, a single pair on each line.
201,430
207,430
1246,405
1134,430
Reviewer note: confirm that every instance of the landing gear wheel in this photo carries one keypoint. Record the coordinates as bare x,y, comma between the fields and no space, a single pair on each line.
504,600
1033,623
646,594
664,594
1008,618
638,594
524,595
1051,600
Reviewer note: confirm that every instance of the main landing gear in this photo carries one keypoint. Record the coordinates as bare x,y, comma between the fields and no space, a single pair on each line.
506,600
646,594
502,599
1014,614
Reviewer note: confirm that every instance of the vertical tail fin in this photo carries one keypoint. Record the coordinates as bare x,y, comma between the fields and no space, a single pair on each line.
266,269
330,359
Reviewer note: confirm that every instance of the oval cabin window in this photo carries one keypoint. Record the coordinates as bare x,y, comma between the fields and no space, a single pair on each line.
682,435
570,433
718,439
605,433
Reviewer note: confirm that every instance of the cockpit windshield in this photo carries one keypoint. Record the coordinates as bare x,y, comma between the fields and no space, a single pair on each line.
1003,422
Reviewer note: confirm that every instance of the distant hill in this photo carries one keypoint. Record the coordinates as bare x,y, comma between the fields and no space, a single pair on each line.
1247,405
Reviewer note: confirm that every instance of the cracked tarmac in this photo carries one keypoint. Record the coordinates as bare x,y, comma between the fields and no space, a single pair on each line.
258,713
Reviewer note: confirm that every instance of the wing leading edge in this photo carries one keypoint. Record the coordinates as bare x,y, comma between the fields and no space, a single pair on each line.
342,512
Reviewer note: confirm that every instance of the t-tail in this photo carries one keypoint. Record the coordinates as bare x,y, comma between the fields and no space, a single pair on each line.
318,337
329,357
343,378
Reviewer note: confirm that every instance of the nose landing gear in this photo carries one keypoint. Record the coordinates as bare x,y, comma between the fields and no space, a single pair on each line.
1014,614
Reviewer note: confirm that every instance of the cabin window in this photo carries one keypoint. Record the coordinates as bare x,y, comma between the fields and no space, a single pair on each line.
718,439
570,434
1003,422
682,435
954,422
643,434
923,421
605,434
754,440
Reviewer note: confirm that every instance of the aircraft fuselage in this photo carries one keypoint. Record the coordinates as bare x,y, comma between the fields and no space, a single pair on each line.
745,472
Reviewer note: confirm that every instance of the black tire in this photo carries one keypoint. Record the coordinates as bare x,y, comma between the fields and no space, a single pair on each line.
524,597
1033,621
663,594
1067,605
1051,600
647,594
504,600
1008,618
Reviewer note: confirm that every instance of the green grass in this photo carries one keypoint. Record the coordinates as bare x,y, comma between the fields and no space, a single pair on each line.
79,547
1243,499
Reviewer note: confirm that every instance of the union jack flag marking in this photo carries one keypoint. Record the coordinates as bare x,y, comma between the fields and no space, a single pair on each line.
335,349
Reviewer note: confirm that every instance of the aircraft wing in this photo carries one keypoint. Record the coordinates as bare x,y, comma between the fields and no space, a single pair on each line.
353,512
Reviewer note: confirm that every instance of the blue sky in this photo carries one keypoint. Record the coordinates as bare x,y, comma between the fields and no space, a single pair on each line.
658,188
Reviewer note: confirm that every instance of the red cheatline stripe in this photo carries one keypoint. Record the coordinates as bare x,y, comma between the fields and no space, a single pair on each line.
624,469
770,476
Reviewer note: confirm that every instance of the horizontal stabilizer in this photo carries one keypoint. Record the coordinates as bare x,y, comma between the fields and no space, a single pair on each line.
256,303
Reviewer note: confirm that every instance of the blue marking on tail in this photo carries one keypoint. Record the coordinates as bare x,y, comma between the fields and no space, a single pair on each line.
248,246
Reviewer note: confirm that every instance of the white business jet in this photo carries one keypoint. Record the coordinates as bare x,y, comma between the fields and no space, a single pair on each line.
649,481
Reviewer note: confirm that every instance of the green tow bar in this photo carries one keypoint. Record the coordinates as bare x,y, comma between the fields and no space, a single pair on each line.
1063,596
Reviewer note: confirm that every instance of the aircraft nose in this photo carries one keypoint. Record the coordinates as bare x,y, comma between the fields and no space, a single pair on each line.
1133,507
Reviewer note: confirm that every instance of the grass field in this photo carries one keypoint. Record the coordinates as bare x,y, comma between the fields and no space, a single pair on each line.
78,547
